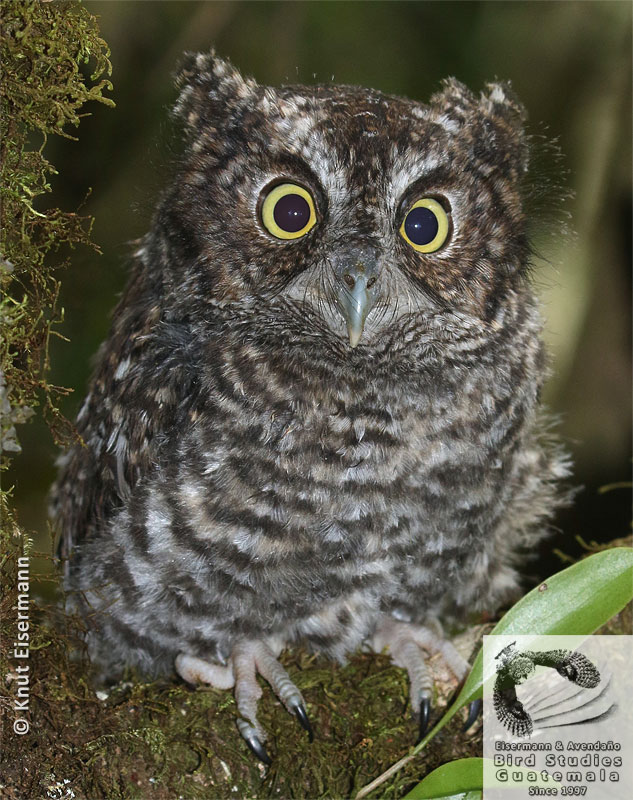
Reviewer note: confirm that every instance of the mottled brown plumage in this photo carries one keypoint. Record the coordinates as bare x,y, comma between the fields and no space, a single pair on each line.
332,438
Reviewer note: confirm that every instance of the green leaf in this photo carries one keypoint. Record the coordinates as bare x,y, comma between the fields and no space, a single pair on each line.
450,780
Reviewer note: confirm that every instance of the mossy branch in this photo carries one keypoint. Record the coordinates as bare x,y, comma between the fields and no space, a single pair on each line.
42,91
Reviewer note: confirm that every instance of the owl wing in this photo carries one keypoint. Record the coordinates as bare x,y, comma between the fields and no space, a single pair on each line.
509,708
572,665
144,387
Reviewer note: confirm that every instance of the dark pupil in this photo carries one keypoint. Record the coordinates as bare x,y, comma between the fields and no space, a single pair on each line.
421,225
292,213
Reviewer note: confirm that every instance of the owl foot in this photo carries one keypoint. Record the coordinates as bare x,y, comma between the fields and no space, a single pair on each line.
407,644
247,660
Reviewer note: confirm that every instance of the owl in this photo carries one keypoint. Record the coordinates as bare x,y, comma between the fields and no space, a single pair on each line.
316,417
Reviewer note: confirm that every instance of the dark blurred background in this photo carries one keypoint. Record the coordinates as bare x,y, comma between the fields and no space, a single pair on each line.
570,63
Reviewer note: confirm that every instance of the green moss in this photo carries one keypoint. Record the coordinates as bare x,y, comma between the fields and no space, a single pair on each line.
42,93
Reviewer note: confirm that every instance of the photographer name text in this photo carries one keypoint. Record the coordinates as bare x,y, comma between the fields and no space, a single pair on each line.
20,676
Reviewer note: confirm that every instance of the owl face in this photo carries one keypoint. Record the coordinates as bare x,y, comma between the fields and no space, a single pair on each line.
350,209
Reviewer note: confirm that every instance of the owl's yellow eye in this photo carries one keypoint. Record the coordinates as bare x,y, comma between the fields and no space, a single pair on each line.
288,211
425,226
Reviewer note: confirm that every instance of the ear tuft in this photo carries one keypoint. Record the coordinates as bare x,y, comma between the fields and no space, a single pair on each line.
210,87
501,101
455,102
504,126
495,121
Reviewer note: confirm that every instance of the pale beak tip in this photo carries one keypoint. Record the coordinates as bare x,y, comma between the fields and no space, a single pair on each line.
355,304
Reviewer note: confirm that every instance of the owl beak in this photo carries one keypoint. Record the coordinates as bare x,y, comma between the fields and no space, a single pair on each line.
356,298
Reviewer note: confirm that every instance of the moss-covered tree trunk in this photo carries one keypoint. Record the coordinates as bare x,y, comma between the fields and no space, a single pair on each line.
45,48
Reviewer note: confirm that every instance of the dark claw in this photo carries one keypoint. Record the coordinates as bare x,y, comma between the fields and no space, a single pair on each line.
302,716
258,749
425,716
474,710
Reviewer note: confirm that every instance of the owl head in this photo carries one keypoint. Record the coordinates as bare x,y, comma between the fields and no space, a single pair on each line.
351,212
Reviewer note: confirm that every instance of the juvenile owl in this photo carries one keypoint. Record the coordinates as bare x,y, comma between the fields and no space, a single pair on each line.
315,418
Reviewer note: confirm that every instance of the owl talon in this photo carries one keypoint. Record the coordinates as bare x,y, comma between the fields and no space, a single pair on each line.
253,741
425,716
407,643
304,721
474,709
250,659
